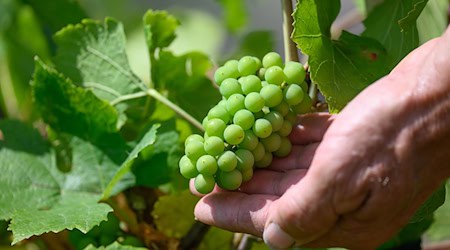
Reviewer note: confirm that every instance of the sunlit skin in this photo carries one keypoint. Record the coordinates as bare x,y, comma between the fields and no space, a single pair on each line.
354,179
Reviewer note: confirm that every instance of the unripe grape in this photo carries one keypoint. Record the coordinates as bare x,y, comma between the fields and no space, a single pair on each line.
259,151
230,86
187,167
223,73
245,159
293,94
274,75
194,150
286,128
204,183
262,128
220,113
285,148
214,146
247,66
291,117
272,142
304,106
276,119
272,95
250,140
244,118
250,84
233,134
258,62
272,59
232,67
235,103
206,165
295,72
230,180
247,174
227,161
215,127
254,102
282,108
261,73
265,161
193,137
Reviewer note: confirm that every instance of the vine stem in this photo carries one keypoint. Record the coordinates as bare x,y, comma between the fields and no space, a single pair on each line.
155,94
290,49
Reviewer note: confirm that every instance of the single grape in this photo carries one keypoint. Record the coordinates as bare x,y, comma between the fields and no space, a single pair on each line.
274,75
272,142
220,113
247,174
261,73
295,72
245,159
259,151
215,127
304,106
194,150
258,62
235,103
233,134
207,165
230,86
262,128
204,183
214,145
272,59
276,119
205,121
250,140
285,148
227,161
230,180
232,67
291,117
254,102
250,84
304,86
223,73
293,94
187,167
244,118
282,108
286,128
272,95
265,161
193,137
247,66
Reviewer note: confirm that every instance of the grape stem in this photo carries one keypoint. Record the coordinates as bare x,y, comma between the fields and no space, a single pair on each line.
290,49
155,94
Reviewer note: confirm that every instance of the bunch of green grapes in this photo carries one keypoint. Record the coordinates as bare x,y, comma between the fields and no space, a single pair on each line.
250,125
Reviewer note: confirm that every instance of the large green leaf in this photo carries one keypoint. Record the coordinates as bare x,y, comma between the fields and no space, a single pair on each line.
159,27
341,68
235,14
440,230
433,20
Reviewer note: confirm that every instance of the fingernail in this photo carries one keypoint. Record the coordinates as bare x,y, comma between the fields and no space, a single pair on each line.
276,238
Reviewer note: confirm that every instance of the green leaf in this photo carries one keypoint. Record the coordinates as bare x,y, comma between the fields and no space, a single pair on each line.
71,109
256,43
159,27
217,239
174,214
440,230
393,24
235,14
361,5
124,177
433,20
114,246
341,68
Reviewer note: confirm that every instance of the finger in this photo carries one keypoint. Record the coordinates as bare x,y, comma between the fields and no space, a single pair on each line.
272,182
310,128
235,211
300,157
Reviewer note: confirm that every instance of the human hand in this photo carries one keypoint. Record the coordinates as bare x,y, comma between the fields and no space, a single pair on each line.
356,182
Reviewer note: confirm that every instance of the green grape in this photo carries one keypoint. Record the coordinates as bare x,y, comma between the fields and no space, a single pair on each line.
250,84
235,103
264,83
204,183
222,103
265,161
258,62
187,167
230,180
244,118
261,73
245,159
272,142
259,114
214,145
291,117
230,86
285,148
262,128
233,134
247,66
272,59
247,174
304,86
274,75
293,94
250,140
286,128
205,121
207,165
215,127
223,73
304,106
272,95
254,102
259,151
193,137
220,113
194,150
227,161
276,119
282,108
295,72
232,67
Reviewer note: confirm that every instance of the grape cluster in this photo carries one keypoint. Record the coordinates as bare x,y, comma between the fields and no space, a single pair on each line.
250,125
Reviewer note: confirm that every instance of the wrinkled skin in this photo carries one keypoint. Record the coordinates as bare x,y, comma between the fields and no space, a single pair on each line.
354,179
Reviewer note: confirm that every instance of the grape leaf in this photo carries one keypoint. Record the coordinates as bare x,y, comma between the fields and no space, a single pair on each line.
124,177
69,108
159,27
433,20
217,239
173,214
440,230
114,246
235,14
393,24
341,68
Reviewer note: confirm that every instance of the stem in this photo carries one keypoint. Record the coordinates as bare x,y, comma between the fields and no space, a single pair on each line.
129,97
290,49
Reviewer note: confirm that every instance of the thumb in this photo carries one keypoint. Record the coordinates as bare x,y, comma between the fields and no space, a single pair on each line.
304,213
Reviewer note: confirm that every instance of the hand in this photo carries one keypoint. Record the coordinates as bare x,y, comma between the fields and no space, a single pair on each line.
355,179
